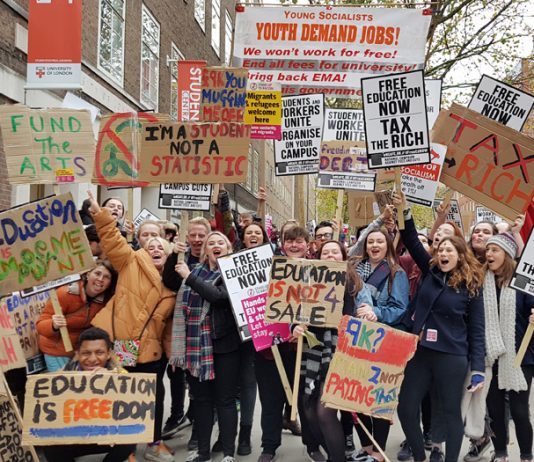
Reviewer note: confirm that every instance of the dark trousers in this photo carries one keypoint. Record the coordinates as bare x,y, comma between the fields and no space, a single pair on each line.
519,409
220,393
64,453
247,383
158,368
379,428
446,372
177,384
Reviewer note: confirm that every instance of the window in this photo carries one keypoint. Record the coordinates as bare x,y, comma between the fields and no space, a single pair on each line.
248,184
200,13
227,38
111,39
255,172
216,26
149,60
175,57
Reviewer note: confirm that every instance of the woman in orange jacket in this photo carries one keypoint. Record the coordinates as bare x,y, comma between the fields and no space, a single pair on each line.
80,302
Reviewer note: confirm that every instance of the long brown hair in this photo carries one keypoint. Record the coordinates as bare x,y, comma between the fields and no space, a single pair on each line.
468,270
352,274
506,271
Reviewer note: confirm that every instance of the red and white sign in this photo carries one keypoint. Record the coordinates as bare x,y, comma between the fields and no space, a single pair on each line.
54,44
189,89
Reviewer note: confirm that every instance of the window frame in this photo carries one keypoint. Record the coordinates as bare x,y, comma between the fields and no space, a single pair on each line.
100,66
152,104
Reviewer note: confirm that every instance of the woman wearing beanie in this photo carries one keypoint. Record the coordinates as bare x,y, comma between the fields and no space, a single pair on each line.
508,313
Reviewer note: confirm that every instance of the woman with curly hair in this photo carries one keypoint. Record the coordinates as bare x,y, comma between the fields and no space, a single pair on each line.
447,314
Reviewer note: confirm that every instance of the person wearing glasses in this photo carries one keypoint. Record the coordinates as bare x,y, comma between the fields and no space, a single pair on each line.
324,231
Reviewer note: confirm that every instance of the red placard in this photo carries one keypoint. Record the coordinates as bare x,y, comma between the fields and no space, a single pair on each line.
189,89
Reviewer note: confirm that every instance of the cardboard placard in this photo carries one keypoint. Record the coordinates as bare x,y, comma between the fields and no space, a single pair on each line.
361,210
11,354
185,196
501,102
483,214
523,278
246,276
264,110
11,449
396,127
224,93
487,162
47,146
320,49
298,150
42,241
420,182
89,408
306,291
454,214
367,369
344,166
24,313
343,125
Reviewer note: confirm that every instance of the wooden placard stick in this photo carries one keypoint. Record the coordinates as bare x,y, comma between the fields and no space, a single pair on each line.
129,213
282,372
215,194
524,345
380,450
184,224
62,330
398,188
339,213
296,379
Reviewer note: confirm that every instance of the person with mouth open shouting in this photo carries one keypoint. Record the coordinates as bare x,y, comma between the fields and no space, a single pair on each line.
448,316
205,343
139,313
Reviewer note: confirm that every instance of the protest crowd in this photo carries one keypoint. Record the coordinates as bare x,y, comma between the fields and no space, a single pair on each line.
332,331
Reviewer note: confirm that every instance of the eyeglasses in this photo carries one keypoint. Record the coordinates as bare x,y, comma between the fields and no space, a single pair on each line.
324,236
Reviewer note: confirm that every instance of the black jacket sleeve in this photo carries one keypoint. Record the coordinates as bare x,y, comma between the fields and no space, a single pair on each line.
215,294
171,278
477,333
414,246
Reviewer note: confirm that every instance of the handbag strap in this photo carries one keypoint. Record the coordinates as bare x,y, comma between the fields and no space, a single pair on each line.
142,330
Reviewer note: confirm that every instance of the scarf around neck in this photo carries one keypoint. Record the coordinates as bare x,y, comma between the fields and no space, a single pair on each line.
500,320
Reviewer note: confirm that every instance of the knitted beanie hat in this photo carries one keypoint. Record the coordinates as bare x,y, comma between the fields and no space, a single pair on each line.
506,242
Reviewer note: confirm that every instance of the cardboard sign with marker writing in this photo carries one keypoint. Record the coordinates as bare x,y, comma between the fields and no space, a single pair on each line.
367,370
47,146
306,291
89,408
487,162
11,449
11,354
224,93
42,241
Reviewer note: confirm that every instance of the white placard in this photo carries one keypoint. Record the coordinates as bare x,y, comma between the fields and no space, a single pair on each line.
433,100
144,215
483,214
343,125
523,278
454,213
185,196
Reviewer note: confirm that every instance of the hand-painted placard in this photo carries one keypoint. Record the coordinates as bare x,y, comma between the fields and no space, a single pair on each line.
433,100
47,146
89,408
502,103
24,313
367,369
344,166
224,92
523,278
321,49
144,215
396,127
298,151
420,182
343,125
42,241
306,291
11,449
11,354
483,214
185,196
264,110
246,276
454,214
486,161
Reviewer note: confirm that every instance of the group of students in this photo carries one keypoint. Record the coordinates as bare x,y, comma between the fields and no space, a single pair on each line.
168,303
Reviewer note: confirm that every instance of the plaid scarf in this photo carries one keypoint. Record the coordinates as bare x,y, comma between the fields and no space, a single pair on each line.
374,279
315,362
192,346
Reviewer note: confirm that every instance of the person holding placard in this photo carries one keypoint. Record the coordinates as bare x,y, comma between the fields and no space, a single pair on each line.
80,302
448,315
323,421
138,316
205,343
378,267
94,351
508,313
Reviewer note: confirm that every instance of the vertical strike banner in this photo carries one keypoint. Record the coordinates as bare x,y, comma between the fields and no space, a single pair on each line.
396,128
189,89
298,152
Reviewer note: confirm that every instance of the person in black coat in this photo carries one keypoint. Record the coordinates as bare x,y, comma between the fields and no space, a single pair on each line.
447,314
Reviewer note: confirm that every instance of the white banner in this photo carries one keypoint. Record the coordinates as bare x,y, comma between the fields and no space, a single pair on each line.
185,196
343,125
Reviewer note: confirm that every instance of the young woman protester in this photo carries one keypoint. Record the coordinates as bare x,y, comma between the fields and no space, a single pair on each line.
448,316
323,421
378,267
480,234
80,302
205,343
137,315
508,313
